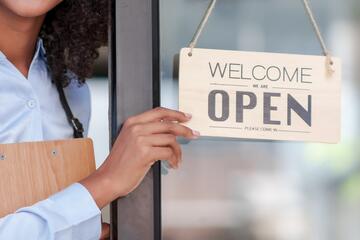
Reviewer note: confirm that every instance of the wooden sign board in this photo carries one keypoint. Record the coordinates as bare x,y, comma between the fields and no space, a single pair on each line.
260,95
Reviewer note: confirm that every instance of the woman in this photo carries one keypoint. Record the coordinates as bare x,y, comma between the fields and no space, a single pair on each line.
49,46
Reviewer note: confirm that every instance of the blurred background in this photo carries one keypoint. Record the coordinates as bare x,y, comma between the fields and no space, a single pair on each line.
99,124
241,190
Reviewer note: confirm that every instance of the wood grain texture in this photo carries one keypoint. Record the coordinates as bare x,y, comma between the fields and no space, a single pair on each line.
236,74
30,172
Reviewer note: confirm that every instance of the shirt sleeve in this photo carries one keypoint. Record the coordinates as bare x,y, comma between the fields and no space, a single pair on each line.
69,214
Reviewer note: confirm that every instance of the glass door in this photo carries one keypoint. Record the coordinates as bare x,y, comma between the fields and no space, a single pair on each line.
263,190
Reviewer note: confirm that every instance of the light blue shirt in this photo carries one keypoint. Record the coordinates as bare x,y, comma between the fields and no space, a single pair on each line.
30,110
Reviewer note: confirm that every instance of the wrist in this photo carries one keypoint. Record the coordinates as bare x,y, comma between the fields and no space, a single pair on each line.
99,186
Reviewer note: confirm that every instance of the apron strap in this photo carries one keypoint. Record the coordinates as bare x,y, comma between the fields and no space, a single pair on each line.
73,121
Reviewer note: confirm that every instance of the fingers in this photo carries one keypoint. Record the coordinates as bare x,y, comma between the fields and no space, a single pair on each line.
160,127
168,128
158,114
105,231
165,140
164,153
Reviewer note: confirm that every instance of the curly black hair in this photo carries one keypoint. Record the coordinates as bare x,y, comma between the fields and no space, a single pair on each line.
72,33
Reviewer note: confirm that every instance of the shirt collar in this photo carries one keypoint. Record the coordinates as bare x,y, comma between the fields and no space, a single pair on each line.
2,56
40,51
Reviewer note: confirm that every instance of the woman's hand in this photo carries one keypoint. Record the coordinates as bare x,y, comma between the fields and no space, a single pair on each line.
105,231
143,140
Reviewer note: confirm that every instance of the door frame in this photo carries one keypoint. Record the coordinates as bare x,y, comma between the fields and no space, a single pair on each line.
135,87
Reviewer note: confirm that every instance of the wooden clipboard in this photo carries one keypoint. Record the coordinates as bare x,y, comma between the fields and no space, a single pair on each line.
31,172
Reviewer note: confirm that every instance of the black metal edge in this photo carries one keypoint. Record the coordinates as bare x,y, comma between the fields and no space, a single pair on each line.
113,106
156,103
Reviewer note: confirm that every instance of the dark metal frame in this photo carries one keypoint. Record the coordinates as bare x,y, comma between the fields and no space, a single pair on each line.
155,7
135,87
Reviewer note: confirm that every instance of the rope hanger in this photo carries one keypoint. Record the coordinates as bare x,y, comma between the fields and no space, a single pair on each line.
326,52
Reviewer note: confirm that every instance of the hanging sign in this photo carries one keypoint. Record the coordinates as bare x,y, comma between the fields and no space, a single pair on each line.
260,95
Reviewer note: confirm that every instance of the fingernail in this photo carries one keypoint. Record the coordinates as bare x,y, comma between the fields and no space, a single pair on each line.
196,133
188,115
